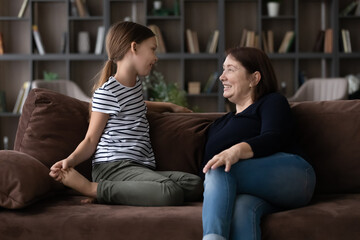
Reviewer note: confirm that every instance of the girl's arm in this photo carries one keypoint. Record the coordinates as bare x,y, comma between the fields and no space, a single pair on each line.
166,107
86,148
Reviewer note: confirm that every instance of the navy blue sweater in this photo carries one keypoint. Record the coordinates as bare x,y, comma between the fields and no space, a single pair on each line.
266,125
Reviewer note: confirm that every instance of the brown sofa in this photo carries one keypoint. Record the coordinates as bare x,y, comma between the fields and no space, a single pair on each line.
33,206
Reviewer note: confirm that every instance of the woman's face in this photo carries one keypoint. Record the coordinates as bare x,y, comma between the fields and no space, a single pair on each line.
236,81
145,56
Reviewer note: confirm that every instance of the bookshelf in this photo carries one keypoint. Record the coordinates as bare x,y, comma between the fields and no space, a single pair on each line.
21,61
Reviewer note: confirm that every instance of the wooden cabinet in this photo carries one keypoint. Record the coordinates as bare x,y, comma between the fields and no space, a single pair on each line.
57,24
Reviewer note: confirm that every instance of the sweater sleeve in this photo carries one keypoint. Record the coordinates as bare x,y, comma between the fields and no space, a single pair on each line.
276,127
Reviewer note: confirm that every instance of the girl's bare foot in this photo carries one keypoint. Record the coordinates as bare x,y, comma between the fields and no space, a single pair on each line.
88,200
73,179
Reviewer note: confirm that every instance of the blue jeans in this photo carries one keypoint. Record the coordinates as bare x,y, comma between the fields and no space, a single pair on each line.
235,201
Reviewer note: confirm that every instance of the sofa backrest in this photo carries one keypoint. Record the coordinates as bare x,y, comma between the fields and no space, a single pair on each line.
329,133
52,125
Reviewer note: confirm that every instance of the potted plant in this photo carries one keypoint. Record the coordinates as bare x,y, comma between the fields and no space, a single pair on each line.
273,7
156,89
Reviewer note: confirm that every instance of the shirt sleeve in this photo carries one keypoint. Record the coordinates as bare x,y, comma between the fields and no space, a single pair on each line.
105,102
276,127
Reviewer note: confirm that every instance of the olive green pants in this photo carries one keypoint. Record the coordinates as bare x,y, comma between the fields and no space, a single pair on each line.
129,183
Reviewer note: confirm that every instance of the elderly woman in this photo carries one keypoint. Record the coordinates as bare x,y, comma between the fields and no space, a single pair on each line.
251,162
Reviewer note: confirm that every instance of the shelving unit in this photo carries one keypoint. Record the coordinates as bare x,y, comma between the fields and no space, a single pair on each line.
21,62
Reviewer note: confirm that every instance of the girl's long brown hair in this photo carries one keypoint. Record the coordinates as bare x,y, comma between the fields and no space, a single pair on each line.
118,42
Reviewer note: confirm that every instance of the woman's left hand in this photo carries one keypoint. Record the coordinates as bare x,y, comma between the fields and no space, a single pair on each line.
227,157
230,156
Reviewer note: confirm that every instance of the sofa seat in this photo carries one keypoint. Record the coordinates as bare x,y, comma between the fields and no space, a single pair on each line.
336,216
64,217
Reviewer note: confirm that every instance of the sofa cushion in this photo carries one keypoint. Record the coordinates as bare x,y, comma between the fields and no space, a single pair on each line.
330,217
64,217
329,133
51,126
23,179
178,139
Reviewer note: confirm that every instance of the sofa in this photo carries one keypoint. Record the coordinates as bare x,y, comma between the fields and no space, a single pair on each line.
34,206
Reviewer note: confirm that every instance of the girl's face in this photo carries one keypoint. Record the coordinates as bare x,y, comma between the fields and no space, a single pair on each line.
145,56
236,81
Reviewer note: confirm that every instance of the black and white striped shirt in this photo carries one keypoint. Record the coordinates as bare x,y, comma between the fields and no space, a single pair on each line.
126,134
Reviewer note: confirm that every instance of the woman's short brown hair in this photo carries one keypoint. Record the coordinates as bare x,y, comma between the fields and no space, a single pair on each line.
254,59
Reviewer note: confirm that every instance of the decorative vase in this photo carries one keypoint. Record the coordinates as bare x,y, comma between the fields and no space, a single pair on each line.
83,42
273,8
157,5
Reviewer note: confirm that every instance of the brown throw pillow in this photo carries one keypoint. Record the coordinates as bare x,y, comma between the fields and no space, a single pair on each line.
51,127
23,179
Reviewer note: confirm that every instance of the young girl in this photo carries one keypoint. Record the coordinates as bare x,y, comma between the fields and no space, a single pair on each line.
118,135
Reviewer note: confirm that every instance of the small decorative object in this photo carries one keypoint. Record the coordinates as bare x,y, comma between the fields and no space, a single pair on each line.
194,87
83,42
157,5
273,8
49,76
158,9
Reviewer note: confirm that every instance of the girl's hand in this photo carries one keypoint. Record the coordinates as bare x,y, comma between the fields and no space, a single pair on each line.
55,170
179,109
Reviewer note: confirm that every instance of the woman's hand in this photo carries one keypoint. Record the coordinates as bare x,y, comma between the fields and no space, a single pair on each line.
229,157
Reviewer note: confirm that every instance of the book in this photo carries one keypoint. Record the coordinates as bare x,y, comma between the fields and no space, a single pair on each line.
81,8
343,41
190,41
319,43
1,44
286,42
38,40
2,101
161,48
63,42
357,10
328,41
214,42
264,42
349,9
243,37
22,95
348,41
210,83
196,41
73,8
250,39
26,87
100,40
270,38
23,8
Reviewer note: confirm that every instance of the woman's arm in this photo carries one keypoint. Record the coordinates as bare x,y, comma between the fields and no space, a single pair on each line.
161,107
86,148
